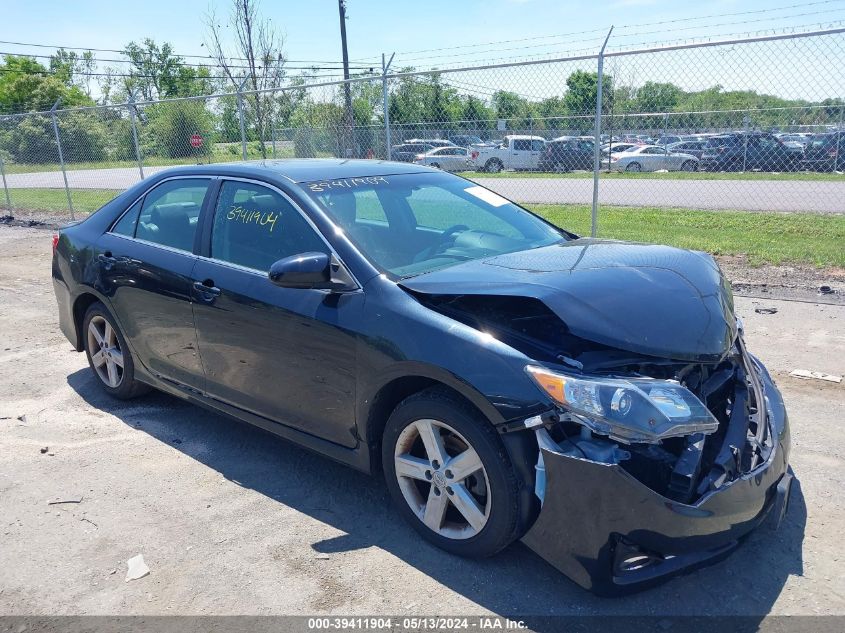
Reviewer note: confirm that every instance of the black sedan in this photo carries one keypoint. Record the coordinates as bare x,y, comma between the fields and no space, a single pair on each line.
510,380
566,154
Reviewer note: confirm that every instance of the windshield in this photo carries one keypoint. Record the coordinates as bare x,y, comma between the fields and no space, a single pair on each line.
411,224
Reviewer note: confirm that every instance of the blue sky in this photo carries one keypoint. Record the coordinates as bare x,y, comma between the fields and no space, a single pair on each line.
311,27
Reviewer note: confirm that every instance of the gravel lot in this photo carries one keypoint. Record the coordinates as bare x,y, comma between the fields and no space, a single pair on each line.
232,520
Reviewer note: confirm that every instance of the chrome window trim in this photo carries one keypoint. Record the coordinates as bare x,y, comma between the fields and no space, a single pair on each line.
146,191
163,247
294,204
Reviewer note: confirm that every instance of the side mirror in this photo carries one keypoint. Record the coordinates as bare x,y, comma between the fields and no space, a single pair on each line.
305,270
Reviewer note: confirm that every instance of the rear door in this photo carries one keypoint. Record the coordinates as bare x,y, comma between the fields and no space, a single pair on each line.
284,354
145,266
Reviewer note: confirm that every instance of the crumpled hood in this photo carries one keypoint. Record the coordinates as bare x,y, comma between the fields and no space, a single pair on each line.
642,298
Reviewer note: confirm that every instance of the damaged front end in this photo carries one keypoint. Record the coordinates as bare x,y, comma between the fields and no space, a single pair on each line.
666,441
637,488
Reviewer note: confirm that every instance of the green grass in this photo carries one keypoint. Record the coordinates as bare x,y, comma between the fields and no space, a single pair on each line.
221,153
671,175
55,200
764,237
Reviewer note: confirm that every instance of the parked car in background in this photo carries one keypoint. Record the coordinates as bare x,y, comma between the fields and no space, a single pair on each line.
434,142
406,152
615,148
694,147
567,153
652,158
445,158
465,140
825,152
671,139
516,152
795,138
749,151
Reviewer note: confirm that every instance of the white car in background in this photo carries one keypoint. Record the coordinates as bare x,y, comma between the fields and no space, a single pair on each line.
652,158
446,158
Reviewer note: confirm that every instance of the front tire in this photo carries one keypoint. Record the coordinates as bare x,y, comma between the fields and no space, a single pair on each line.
634,167
108,354
449,475
689,165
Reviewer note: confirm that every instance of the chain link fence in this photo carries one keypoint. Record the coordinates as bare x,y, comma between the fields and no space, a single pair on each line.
753,124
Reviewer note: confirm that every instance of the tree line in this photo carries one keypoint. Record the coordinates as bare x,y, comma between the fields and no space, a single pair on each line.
431,103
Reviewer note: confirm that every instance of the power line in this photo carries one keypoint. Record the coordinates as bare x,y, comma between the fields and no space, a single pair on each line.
184,65
123,52
602,30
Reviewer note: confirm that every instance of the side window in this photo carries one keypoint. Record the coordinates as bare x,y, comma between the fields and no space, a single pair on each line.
126,225
537,146
171,211
255,226
521,145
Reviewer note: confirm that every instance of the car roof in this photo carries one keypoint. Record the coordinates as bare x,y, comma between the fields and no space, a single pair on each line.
303,169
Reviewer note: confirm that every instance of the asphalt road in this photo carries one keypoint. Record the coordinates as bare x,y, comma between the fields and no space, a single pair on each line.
231,520
805,196
747,195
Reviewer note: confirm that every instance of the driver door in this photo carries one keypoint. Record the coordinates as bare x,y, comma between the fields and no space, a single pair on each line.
285,354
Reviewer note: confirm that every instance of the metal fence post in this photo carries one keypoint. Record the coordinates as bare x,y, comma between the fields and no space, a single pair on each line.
594,220
838,140
384,68
240,98
5,187
61,156
135,133
745,122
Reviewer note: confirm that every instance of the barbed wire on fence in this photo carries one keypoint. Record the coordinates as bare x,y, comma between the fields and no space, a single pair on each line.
768,104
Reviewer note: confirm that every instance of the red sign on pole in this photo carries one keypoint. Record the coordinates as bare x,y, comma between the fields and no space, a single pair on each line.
196,140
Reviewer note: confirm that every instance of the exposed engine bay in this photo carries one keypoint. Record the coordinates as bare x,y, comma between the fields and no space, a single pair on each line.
681,428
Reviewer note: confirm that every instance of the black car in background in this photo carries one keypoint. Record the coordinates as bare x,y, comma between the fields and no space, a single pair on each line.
694,148
566,154
509,379
825,152
750,151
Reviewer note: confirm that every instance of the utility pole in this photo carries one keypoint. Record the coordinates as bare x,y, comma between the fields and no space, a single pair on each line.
347,91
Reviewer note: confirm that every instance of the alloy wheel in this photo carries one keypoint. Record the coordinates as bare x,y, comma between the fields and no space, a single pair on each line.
105,351
442,479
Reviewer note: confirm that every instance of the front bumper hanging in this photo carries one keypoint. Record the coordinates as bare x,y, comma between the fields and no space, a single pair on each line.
613,535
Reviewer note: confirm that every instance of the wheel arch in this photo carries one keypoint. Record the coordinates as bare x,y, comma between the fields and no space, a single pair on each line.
81,303
393,390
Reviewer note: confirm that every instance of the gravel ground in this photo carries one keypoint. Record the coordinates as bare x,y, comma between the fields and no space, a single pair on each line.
231,520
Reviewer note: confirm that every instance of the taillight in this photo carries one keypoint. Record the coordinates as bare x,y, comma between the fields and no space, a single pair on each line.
474,155
55,242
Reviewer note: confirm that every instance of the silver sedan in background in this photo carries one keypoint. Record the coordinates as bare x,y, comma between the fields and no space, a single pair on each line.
652,158
445,158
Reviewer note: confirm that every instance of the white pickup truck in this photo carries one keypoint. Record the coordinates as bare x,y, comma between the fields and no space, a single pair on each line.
514,152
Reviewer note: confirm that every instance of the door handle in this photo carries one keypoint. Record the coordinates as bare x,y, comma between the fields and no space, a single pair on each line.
206,290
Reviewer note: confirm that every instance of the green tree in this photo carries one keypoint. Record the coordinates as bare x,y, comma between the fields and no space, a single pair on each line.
657,97
27,86
170,126
582,88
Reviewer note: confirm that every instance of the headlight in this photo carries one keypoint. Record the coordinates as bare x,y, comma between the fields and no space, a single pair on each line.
628,410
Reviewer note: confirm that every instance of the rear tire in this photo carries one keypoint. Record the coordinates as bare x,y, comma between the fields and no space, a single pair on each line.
634,167
493,166
108,354
689,165
464,500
